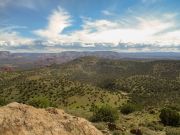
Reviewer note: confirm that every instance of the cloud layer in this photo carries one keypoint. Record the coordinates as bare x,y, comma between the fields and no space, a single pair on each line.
114,31
130,33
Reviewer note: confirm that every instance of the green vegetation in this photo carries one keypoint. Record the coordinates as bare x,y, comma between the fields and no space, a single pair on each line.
155,126
173,131
141,80
170,117
84,86
2,102
105,113
116,133
39,102
129,108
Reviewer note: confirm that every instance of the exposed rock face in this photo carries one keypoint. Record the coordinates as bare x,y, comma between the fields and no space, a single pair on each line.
20,119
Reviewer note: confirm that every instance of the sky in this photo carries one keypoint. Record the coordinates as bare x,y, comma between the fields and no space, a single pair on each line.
90,25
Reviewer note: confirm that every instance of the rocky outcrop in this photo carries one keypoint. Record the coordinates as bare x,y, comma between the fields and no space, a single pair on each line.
20,119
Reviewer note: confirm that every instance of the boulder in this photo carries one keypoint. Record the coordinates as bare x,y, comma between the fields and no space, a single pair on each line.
20,119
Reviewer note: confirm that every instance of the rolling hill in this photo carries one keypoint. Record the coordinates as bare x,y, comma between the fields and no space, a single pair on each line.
80,84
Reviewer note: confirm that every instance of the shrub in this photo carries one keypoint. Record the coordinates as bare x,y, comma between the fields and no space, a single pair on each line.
40,102
173,131
169,117
128,108
117,133
2,102
100,125
174,107
155,126
105,113
93,108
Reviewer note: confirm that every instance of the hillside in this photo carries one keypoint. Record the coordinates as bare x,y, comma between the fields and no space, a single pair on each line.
25,85
143,80
83,84
34,60
96,80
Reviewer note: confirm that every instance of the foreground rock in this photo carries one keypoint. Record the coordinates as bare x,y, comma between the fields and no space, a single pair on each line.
20,119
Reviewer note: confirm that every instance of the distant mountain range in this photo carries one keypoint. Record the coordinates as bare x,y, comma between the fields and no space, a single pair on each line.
28,60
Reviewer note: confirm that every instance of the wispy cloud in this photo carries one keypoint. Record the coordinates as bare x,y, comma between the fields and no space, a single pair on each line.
115,31
10,37
108,13
30,4
7,27
110,31
150,1
57,22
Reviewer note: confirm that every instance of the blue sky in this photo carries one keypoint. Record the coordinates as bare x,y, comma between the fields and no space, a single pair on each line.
89,25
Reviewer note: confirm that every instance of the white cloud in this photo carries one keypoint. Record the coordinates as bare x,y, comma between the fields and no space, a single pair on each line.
6,28
10,37
109,31
57,22
114,31
137,32
108,13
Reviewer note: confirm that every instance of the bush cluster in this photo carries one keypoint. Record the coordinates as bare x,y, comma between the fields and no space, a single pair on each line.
170,117
2,102
129,108
40,102
173,131
155,126
105,113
